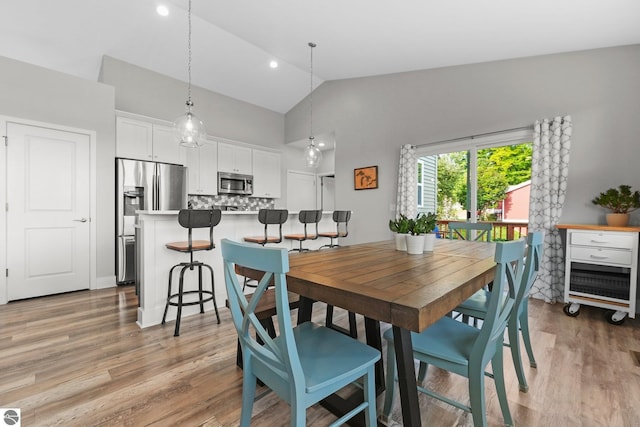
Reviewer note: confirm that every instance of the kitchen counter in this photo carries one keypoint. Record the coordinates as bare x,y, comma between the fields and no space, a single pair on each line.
224,213
156,228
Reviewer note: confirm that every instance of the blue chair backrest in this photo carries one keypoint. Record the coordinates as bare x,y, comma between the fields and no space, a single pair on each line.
508,278
275,362
483,228
535,248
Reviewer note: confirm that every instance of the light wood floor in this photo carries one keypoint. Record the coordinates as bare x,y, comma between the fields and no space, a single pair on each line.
79,359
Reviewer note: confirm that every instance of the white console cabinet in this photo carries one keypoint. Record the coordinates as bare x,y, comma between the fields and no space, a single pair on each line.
601,269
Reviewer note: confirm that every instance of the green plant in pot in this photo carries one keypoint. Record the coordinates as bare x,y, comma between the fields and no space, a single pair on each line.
400,226
620,201
419,228
428,225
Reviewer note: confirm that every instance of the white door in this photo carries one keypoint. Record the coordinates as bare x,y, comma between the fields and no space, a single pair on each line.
48,198
301,191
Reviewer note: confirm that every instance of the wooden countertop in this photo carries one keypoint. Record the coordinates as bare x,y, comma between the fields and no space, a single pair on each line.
596,227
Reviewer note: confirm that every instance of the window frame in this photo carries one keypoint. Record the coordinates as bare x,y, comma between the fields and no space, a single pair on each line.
472,144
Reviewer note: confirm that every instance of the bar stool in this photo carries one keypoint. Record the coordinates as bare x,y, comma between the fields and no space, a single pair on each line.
306,217
190,219
341,218
268,217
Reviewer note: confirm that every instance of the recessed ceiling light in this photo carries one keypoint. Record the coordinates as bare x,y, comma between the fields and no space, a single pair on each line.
273,64
320,144
162,10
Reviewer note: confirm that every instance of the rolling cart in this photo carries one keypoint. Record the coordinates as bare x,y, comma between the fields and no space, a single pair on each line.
601,270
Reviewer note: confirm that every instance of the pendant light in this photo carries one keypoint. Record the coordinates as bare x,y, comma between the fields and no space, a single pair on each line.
188,128
312,154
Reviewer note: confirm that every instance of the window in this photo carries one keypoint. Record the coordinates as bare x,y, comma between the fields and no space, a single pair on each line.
420,184
480,178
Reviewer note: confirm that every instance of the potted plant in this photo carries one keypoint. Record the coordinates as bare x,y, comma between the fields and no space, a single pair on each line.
400,226
430,221
621,201
419,229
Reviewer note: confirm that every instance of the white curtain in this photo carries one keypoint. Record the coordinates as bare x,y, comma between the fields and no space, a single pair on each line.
407,182
549,171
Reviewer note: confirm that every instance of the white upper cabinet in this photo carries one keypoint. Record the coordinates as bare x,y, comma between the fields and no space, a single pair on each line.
134,139
202,168
266,174
234,159
165,146
142,140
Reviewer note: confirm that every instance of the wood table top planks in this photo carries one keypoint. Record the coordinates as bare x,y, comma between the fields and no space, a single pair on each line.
379,282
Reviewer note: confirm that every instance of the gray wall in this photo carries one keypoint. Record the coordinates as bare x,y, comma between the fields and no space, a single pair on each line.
155,95
372,117
35,93
39,94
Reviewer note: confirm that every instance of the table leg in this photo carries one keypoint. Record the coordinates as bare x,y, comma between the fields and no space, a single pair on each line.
305,307
406,377
374,339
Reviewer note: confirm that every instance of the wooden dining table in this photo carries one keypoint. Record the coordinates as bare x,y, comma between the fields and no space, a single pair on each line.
410,292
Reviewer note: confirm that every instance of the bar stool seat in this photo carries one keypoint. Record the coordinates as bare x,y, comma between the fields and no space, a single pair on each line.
341,218
190,219
306,217
267,217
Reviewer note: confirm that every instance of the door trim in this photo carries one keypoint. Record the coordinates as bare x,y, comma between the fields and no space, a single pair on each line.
4,121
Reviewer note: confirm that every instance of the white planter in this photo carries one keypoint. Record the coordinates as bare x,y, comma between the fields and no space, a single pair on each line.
429,241
401,242
415,244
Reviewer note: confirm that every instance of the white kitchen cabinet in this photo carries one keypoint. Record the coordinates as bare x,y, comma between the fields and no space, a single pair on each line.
165,146
601,269
144,140
202,166
266,174
234,158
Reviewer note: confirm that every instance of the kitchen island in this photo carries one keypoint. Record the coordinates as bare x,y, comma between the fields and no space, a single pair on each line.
154,260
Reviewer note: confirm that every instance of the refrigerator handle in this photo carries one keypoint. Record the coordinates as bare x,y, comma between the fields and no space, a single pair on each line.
122,259
156,188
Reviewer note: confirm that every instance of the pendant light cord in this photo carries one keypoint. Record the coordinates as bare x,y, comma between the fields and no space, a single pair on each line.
189,103
311,45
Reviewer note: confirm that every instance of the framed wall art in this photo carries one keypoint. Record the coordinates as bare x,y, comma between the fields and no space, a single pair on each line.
365,178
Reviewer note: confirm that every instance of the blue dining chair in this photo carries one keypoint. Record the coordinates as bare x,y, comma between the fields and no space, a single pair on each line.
476,306
463,230
465,350
303,364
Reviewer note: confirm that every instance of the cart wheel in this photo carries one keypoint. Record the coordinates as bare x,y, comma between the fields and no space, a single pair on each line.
571,309
615,317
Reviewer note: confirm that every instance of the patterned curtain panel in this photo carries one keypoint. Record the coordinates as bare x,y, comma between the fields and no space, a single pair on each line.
407,182
549,171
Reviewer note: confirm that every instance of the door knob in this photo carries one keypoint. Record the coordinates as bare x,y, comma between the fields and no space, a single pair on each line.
81,219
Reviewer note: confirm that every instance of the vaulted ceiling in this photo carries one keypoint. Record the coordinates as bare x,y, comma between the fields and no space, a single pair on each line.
234,41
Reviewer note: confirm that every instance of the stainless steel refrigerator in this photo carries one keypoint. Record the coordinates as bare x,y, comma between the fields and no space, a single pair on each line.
146,186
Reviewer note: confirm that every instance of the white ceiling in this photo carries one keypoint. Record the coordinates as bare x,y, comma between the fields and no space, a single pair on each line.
234,40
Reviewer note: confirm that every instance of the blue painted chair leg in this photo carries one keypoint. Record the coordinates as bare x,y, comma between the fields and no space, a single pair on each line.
524,327
389,393
516,354
476,396
248,394
497,366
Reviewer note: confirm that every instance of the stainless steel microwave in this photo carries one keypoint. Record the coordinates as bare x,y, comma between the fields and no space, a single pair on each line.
235,183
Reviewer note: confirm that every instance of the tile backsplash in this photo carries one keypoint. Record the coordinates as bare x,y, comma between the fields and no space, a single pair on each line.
225,202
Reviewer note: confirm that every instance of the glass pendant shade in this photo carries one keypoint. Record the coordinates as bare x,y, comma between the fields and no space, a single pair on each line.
189,129
312,154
